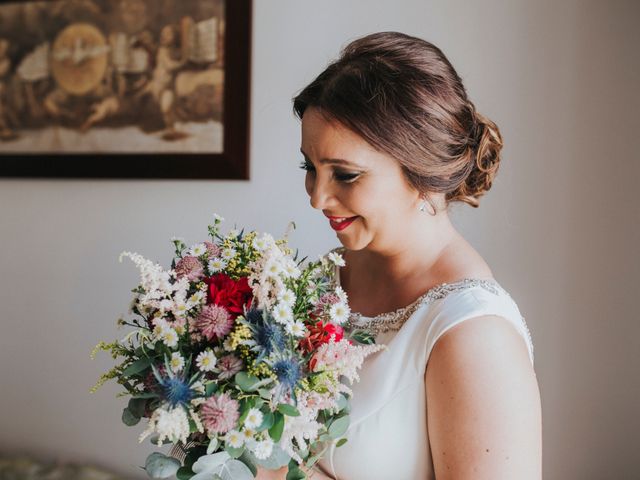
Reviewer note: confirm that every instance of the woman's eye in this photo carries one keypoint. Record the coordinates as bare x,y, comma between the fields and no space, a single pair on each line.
347,177
307,166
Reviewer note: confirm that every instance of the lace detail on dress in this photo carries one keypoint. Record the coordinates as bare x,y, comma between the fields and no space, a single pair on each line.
393,321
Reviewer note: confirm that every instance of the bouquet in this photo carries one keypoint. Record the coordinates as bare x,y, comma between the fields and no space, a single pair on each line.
237,356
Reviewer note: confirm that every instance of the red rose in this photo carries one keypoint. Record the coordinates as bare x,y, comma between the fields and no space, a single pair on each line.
228,293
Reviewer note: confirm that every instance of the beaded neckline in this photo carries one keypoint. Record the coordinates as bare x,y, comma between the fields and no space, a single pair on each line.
393,321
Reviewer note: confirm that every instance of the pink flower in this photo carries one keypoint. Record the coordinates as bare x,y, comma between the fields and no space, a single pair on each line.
228,366
214,322
190,267
219,413
325,300
212,249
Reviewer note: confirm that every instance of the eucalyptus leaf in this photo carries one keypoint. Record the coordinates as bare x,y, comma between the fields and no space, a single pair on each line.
275,432
160,466
338,427
137,406
128,418
220,465
234,452
245,381
287,409
137,367
267,422
211,388
341,442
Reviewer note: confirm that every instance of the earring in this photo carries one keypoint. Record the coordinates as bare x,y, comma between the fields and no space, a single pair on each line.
423,207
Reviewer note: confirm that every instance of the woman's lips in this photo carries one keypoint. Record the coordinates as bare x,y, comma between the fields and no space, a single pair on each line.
341,225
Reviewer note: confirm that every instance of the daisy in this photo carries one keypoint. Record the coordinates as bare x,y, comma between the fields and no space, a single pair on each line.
262,449
295,328
282,313
272,269
228,253
198,249
254,419
287,297
216,264
234,439
176,362
169,337
206,361
336,259
339,313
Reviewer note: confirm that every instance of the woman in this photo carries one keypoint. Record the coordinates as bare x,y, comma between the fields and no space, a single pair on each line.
390,140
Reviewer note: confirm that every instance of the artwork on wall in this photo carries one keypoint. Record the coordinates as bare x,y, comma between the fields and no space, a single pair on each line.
125,88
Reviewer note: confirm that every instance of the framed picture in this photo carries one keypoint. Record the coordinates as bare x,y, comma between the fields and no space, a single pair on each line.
125,88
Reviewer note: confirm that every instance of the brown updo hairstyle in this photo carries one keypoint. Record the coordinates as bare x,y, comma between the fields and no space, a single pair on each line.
401,94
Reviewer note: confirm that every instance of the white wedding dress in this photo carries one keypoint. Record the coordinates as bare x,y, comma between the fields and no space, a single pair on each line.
388,437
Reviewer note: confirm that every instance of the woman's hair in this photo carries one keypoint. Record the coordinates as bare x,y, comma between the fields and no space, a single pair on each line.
401,94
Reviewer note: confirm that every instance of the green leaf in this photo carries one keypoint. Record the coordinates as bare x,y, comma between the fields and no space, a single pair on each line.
246,382
267,422
338,427
161,466
246,404
184,473
264,393
341,442
294,472
234,452
211,388
137,406
287,409
275,432
137,367
246,459
128,418
342,402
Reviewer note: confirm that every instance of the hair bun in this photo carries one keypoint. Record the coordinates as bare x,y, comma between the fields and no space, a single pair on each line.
483,153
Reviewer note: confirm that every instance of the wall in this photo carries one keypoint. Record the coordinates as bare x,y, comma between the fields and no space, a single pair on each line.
560,227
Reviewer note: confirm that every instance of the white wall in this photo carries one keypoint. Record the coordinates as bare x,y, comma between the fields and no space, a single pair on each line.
560,228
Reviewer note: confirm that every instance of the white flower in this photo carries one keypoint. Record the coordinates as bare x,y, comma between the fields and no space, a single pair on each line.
228,253
282,313
198,249
342,295
198,387
291,269
287,297
262,449
273,268
233,233
176,362
339,313
171,424
206,361
337,259
260,244
226,345
234,439
254,418
217,218
296,328
177,239
169,337
216,264
249,436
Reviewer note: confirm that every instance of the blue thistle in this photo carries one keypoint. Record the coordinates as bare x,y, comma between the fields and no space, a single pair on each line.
288,372
267,335
176,391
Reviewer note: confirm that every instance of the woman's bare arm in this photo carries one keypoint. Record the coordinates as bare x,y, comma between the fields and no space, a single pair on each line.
483,404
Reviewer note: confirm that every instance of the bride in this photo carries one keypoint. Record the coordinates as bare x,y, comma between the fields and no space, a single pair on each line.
390,140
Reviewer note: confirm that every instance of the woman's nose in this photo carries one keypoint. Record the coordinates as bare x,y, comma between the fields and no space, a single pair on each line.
319,193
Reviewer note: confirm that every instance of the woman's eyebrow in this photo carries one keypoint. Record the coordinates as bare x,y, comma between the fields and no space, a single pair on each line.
332,161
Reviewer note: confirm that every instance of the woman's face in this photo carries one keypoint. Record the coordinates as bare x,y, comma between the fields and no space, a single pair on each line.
347,178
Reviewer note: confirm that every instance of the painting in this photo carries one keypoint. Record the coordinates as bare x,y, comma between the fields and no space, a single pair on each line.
125,88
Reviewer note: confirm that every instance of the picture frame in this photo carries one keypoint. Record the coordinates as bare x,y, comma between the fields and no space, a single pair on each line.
114,94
